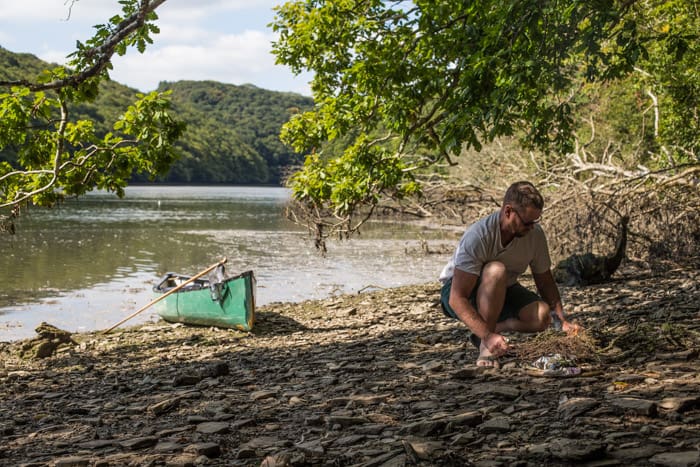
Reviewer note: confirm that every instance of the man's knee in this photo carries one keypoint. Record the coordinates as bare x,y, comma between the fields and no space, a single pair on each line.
494,271
544,317
537,316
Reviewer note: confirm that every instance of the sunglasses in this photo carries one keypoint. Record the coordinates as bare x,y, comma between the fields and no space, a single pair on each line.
526,224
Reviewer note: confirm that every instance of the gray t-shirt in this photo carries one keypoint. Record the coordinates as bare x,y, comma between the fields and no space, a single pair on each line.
481,243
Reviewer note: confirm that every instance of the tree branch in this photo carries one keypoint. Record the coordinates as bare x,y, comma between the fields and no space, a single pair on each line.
103,52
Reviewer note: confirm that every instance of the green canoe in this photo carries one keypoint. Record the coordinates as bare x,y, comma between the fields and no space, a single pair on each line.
217,301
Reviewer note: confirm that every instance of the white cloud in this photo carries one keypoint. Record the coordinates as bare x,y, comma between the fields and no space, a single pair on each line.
221,40
57,10
239,59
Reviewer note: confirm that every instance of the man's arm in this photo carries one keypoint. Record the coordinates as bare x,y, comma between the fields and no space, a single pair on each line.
463,284
547,287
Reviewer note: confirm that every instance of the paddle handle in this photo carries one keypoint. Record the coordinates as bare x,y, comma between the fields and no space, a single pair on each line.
171,291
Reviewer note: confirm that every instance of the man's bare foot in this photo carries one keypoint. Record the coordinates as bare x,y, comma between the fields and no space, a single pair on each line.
486,358
488,361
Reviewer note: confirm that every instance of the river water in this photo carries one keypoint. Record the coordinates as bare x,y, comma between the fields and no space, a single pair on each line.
91,262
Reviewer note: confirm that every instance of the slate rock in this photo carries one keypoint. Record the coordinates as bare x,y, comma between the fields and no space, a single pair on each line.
496,425
637,406
676,459
139,443
576,406
72,462
210,450
213,428
577,450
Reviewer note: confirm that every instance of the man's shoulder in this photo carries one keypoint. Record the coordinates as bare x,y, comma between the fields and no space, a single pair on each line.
486,220
539,235
482,232
485,225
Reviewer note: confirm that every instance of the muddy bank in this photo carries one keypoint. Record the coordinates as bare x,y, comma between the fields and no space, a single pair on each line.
377,378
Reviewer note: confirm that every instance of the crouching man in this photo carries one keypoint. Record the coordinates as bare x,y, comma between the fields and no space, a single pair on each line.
480,282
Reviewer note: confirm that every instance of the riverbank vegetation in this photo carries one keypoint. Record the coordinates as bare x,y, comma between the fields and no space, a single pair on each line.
231,134
440,107
421,108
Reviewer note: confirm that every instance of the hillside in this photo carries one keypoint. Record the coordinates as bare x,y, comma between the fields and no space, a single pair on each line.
246,113
232,131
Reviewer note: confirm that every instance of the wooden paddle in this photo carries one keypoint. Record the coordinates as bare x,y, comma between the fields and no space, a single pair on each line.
171,291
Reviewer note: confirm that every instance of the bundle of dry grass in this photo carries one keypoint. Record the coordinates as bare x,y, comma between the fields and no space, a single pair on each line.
580,347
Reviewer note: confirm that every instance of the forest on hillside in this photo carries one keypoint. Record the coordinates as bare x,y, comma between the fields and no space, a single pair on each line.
231,134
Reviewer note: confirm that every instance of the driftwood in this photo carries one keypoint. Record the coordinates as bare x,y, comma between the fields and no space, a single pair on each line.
588,268
45,345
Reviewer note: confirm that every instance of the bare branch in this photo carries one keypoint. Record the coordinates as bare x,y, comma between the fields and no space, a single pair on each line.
656,112
104,52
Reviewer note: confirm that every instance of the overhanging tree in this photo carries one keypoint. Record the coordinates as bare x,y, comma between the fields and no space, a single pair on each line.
394,81
60,156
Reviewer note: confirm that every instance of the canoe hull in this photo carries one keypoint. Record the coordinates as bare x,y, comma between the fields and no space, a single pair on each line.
227,304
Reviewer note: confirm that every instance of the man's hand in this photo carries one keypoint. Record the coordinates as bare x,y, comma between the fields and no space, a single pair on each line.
570,328
496,344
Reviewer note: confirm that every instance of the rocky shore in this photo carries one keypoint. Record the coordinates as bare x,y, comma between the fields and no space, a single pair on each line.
380,378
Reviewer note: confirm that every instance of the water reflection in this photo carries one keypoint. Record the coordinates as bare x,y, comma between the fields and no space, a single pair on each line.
90,262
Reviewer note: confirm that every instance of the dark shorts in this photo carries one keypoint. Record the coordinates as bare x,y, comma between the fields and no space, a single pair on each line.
517,297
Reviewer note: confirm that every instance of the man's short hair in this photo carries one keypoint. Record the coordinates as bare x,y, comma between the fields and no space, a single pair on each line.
523,194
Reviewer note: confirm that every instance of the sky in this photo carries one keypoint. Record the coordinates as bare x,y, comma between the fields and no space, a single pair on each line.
221,40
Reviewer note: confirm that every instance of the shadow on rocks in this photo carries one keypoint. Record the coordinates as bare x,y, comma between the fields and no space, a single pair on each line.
271,323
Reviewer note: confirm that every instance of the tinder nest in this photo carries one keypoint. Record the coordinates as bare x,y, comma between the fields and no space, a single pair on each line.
580,347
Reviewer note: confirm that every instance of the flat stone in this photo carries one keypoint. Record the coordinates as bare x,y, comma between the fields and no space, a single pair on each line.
210,450
349,440
246,422
97,444
496,391
212,428
680,404
344,421
631,454
183,460
197,419
168,446
638,406
215,369
676,459
246,452
390,459
313,447
466,419
260,395
577,449
576,406
467,373
164,407
262,442
424,428
186,380
72,462
425,449
367,400
433,366
425,405
139,443
496,425
314,420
